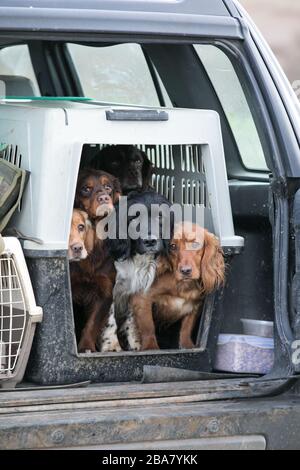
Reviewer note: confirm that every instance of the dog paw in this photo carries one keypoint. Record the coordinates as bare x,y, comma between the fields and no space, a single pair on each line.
86,345
186,344
149,344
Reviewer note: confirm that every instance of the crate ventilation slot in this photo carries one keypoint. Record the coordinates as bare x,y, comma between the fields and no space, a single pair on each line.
18,313
181,167
12,154
12,315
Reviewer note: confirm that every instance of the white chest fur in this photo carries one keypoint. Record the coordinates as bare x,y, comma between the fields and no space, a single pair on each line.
135,274
182,305
174,307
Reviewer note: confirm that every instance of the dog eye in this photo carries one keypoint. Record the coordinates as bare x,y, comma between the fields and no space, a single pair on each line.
173,247
107,187
86,190
81,228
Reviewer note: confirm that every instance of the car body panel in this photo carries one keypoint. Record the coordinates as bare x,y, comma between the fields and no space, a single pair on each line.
178,422
206,7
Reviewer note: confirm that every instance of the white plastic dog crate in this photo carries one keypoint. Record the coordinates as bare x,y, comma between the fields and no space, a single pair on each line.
47,138
18,313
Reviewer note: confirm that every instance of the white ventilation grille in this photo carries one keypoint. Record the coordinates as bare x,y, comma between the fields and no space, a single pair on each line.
180,167
12,315
161,156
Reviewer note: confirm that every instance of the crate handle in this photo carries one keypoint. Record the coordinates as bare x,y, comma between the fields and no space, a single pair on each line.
136,115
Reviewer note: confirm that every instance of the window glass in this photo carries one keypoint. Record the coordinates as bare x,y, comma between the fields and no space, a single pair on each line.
233,100
17,77
114,74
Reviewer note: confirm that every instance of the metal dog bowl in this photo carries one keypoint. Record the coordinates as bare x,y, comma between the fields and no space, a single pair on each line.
258,328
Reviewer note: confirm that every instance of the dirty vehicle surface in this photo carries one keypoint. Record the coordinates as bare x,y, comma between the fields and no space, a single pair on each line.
196,55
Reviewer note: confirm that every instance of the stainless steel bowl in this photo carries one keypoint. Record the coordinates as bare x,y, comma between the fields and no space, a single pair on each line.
258,328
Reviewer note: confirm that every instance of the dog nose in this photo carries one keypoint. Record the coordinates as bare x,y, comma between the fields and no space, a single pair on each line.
150,242
77,248
103,199
186,270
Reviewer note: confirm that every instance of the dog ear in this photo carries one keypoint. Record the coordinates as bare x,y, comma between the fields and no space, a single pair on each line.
119,250
117,190
166,247
147,171
90,236
77,202
212,263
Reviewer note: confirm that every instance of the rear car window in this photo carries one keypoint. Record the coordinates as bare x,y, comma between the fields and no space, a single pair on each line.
114,74
17,77
121,74
234,102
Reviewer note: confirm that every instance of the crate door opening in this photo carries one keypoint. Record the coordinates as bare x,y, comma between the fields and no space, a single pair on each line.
178,173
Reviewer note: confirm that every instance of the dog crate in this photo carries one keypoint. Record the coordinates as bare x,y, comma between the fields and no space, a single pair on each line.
18,314
54,138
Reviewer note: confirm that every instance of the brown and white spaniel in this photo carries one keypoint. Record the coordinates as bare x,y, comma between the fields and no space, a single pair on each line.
196,268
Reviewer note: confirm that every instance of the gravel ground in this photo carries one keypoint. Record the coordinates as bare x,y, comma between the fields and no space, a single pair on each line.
279,22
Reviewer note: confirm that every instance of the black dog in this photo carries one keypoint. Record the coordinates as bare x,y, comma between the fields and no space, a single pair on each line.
129,164
136,262
156,219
